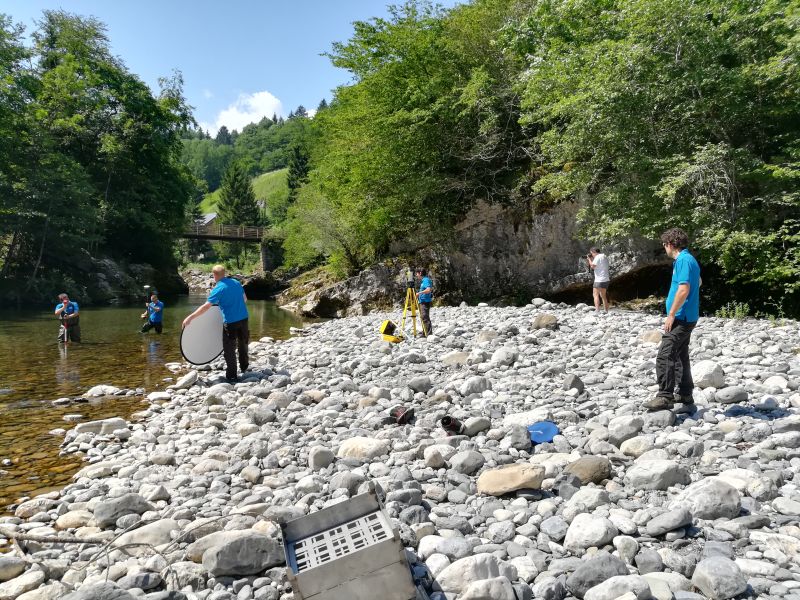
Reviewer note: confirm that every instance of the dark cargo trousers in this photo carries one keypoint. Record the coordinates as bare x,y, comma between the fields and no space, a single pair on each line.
425,317
672,362
235,336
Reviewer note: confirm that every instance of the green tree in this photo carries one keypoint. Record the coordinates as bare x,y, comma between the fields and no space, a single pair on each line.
237,206
298,169
92,166
224,137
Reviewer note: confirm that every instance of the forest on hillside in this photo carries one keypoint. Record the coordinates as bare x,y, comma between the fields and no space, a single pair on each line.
651,113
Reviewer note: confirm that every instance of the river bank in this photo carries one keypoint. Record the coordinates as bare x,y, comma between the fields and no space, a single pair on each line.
662,503
44,385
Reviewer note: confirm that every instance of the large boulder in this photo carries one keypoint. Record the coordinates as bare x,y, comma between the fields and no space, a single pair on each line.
497,588
707,373
719,578
620,585
711,498
545,321
363,448
590,469
459,575
105,590
11,589
510,478
107,513
244,555
10,566
656,475
155,534
468,462
593,572
588,530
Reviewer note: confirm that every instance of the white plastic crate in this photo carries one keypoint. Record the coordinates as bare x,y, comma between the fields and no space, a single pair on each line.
340,541
346,552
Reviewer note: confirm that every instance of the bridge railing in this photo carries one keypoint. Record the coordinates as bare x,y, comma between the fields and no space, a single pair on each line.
217,230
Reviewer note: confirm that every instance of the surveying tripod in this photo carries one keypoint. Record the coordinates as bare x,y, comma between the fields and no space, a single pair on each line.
412,306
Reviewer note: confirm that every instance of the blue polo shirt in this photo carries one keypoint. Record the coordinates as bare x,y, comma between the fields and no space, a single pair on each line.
155,316
426,283
72,308
686,270
228,294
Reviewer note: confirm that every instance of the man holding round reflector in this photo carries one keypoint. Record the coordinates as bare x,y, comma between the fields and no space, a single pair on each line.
229,295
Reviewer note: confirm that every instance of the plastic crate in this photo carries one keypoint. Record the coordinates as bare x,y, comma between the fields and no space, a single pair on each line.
347,552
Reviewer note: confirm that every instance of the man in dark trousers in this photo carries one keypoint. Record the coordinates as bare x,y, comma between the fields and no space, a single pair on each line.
69,314
154,315
229,295
683,311
425,298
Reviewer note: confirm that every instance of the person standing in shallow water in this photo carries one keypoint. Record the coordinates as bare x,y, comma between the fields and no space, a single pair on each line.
229,295
69,314
154,315
598,263
683,311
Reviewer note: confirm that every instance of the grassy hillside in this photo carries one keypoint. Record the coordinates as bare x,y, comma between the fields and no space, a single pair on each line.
271,189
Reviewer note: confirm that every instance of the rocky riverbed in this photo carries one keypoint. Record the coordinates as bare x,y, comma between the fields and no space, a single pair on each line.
185,501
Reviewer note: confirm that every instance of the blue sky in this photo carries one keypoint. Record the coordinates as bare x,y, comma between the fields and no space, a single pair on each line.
240,59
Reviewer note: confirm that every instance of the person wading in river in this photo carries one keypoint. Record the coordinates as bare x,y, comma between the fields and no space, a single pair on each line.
68,313
229,295
154,315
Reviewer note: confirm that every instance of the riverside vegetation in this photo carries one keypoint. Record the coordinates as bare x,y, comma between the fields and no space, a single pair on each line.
648,113
185,501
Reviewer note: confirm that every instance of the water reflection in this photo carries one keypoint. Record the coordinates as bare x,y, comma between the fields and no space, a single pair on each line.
35,370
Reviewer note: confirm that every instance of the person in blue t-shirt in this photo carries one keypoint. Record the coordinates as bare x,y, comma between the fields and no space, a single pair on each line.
683,311
68,313
229,295
154,315
425,298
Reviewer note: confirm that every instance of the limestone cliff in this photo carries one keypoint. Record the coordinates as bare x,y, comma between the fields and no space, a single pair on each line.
495,253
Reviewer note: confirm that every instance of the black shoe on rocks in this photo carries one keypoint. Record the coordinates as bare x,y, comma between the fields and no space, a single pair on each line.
657,403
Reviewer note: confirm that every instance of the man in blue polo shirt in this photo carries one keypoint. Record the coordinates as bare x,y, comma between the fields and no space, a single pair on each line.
229,295
425,298
69,315
683,311
154,315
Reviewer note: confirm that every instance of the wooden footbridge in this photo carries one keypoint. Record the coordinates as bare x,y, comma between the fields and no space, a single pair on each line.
225,233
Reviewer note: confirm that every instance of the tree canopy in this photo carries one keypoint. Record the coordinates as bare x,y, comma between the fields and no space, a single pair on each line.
90,157
650,113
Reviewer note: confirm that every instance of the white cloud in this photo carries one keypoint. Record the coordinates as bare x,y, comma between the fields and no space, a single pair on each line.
312,112
248,108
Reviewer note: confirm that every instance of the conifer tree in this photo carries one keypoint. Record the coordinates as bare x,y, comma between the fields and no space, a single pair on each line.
237,206
224,136
298,169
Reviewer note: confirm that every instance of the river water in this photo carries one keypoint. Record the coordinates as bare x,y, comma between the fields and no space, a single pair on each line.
35,370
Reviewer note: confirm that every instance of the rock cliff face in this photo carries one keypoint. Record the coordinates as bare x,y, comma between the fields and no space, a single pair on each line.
500,251
495,253
104,281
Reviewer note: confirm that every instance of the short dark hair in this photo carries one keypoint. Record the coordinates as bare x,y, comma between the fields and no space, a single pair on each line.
594,249
675,237
422,271
63,295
